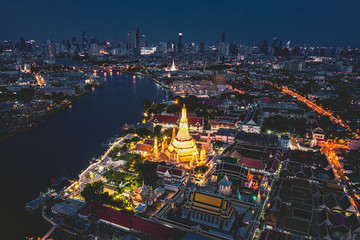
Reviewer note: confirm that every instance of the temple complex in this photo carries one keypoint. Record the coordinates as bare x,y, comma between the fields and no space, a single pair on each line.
182,148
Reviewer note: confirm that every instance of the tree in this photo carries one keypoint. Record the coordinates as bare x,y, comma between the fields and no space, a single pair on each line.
147,172
157,130
114,176
92,191
146,103
201,169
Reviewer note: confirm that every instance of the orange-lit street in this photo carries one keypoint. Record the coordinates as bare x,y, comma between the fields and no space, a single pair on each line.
315,107
331,149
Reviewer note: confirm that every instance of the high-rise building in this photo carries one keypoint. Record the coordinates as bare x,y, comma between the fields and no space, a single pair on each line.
50,52
130,40
84,40
264,47
68,44
163,47
143,42
234,49
202,47
180,44
273,43
223,37
92,40
83,37
22,44
94,49
137,38
8,44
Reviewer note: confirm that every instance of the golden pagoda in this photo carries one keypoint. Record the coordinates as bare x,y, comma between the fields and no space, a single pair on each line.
182,147
156,155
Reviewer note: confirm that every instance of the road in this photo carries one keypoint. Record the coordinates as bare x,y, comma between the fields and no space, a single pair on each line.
330,150
315,107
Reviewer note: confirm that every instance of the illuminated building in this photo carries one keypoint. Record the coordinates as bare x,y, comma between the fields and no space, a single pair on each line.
156,154
163,146
225,186
172,177
144,195
208,209
147,50
180,45
208,146
182,147
50,52
202,154
94,49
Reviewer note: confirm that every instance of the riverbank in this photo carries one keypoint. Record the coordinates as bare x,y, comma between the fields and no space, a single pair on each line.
65,143
37,120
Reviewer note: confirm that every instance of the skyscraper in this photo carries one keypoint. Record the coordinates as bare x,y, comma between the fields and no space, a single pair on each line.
83,39
264,47
273,43
143,42
130,40
22,44
137,38
180,44
223,37
234,49
94,49
202,47
50,52
83,36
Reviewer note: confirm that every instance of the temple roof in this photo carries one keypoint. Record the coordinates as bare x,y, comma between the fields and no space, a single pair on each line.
225,182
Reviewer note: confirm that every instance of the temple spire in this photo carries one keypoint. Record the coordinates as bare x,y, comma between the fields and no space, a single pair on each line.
156,155
182,147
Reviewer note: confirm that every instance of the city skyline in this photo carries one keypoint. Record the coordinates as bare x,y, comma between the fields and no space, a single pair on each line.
311,23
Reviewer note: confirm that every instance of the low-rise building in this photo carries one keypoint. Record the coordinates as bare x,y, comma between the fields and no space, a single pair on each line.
252,122
173,177
226,135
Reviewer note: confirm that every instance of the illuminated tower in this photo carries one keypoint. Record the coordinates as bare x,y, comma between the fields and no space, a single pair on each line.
182,148
180,45
173,67
202,154
156,154
163,145
208,147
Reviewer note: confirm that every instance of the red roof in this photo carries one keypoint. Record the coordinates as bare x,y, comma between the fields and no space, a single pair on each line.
162,168
252,163
149,142
266,100
173,171
129,221
176,172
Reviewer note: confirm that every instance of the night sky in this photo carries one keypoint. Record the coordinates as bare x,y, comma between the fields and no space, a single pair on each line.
312,22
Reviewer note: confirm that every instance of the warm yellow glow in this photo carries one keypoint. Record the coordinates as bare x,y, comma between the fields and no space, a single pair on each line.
182,148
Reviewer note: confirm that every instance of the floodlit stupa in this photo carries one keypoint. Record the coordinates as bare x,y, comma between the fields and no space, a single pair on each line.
173,68
182,147
155,155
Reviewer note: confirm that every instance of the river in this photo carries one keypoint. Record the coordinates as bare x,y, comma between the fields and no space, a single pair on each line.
65,143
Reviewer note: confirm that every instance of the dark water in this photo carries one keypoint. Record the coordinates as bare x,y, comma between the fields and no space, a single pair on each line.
65,143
